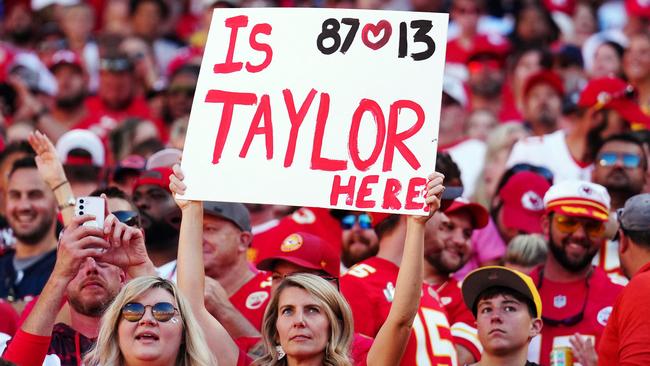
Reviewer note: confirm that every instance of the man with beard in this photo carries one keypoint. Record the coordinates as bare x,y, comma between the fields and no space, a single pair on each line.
91,267
447,247
160,219
542,105
31,212
576,297
68,108
358,238
606,107
620,167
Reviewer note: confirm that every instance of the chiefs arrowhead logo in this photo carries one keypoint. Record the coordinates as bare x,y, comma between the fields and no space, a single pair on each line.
532,201
291,243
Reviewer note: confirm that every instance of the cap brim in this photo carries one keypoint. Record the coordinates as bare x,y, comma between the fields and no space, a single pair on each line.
483,278
631,112
480,215
580,211
268,264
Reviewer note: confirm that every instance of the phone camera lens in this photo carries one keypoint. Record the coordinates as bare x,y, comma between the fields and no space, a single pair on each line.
81,201
81,207
81,212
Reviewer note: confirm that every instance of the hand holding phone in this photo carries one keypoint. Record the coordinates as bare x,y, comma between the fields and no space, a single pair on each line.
91,206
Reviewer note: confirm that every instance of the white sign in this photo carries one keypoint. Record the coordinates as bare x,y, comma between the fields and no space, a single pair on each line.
317,107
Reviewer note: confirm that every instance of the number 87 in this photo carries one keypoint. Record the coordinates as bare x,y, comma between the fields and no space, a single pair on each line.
331,29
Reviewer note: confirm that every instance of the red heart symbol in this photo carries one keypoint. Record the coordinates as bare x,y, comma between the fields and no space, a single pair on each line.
383,25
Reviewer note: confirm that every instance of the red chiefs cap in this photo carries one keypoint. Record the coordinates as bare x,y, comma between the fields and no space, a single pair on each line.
523,201
157,177
640,8
65,57
544,77
565,6
613,93
480,216
302,249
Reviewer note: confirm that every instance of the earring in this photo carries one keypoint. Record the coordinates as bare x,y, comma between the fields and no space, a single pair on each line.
280,352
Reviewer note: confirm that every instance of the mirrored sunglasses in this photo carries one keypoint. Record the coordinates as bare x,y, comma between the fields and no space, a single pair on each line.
364,220
608,159
130,218
162,311
569,225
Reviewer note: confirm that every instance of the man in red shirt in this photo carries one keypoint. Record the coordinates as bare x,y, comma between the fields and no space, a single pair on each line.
627,335
447,247
226,238
369,287
576,296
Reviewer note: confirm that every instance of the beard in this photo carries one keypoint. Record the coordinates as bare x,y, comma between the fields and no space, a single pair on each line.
573,265
488,88
95,308
159,234
34,236
350,258
436,260
71,102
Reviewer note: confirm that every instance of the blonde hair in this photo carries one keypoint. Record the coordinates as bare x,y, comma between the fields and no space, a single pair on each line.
526,250
194,350
336,309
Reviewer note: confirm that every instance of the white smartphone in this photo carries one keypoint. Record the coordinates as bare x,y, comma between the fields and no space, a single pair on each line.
91,206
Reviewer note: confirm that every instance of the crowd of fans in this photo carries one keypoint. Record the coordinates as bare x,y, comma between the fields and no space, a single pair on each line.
538,251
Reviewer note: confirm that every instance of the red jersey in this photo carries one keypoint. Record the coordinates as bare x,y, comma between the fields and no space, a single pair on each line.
565,300
460,317
252,298
369,287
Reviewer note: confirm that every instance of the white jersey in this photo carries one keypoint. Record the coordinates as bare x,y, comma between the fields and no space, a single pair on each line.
552,152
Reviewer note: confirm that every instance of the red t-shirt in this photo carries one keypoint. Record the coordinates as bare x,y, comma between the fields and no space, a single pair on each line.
8,318
460,317
252,298
626,339
563,300
369,287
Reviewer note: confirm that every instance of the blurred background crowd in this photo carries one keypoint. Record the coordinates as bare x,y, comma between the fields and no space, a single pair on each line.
543,100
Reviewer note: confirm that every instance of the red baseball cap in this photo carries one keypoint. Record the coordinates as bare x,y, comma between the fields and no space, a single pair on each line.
565,6
523,201
546,77
157,177
613,93
65,57
480,216
640,8
302,249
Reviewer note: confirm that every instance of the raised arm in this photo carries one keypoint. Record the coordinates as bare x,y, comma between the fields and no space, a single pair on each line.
391,340
191,274
51,170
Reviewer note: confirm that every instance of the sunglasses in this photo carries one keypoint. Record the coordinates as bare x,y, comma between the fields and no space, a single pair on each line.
364,220
569,225
162,311
130,218
609,159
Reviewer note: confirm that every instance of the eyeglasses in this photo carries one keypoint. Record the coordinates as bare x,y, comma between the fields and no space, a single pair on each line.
364,220
162,311
523,167
574,319
130,218
569,225
116,64
608,159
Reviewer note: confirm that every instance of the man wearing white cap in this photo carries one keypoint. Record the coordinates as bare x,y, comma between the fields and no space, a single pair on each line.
577,297
83,155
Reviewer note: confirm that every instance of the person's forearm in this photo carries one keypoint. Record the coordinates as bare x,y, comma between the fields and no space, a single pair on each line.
191,274
408,287
64,197
145,269
42,317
